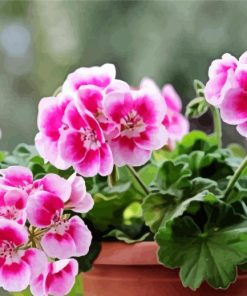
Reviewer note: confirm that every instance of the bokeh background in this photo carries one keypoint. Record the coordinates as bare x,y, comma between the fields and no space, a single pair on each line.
170,41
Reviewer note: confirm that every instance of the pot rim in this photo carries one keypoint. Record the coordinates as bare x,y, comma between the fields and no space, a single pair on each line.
120,253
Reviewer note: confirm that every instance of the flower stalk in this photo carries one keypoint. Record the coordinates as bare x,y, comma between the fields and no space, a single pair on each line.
138,179
217,125
235,177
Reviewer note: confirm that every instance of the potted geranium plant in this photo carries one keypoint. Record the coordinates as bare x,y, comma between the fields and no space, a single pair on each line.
159,202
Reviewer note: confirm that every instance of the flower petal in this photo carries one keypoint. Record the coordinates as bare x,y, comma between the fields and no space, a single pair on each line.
150,106
56,185
125,151
42,207
98,76
234,107
242,129
154,137
81,236
58,246
106,160
48,149
80,201
90,98
71,147
16,176
15,277
172,98
13,232
90,165
61,277
117,105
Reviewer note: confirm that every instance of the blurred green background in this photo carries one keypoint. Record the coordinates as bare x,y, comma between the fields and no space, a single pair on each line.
171,41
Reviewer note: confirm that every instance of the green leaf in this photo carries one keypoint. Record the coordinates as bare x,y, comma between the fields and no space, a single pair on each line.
211,254
237,150
198,87
197,107
121,236
77,289
172,176
148,173
158,209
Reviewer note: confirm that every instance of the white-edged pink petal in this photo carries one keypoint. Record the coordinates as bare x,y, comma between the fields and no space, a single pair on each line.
242,129
234,107
54,184
150,106
61,277
80,201
154,137
106,160
15,277
126,152
48,149
172,98
98,76
90,165
42,208
71,147
16,176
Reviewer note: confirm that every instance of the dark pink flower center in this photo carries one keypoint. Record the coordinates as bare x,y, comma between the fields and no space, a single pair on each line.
61,226
9,212
7,250
89,139
131,125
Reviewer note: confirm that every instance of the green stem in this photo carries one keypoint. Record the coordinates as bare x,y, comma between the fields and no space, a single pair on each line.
113,177
138,179
217,125
235,177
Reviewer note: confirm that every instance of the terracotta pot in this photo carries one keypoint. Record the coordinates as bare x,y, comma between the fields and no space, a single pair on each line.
133,270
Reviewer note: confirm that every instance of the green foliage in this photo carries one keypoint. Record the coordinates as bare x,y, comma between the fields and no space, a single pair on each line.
197,229
210,254
198,106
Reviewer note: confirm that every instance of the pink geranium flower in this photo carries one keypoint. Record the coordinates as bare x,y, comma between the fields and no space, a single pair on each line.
219,82
12,205
137,116
64,237
57,279
83,144
17,267
234,105
21,178
176,124
80,200
51,125
100,77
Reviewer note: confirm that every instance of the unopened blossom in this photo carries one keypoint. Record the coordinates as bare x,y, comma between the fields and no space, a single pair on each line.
137,116
64,237
17,266
57,279
176,124
83,145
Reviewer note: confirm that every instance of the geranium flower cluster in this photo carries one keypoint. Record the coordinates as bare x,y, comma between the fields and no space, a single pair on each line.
97,121
176,124
227,90
37,236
